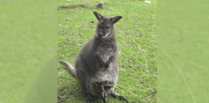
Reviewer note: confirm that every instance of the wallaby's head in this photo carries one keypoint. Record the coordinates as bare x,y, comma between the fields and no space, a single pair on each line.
105,26
100,90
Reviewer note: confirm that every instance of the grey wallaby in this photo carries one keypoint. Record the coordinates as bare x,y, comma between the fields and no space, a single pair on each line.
96,66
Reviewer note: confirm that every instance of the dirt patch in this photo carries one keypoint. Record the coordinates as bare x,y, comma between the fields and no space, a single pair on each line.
58,76
63,89
72,7
73,93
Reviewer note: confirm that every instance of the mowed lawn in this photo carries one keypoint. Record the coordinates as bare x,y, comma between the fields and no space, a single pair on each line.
136,36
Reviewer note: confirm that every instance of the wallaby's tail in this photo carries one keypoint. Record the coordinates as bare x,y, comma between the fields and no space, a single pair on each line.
69,67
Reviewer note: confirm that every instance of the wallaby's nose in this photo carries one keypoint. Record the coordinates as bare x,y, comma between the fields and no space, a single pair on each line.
100,34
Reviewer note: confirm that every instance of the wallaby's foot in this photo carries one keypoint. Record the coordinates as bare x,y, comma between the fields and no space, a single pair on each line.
90,102
114,94
89,98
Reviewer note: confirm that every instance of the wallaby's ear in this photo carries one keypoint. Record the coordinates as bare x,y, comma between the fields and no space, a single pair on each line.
115,19
105,82
99,83
94,84
109,86
98,16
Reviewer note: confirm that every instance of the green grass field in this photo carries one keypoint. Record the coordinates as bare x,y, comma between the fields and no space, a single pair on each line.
28,40
27,43
136,37
183,52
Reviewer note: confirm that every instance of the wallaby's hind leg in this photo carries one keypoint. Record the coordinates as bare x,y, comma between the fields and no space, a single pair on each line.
83,76
116,95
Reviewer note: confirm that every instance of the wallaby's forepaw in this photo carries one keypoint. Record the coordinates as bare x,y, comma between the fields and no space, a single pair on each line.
106,66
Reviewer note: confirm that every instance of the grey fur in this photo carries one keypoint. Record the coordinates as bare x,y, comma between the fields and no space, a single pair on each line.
97,60
69,67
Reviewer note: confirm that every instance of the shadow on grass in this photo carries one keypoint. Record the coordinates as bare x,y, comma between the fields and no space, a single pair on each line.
72,7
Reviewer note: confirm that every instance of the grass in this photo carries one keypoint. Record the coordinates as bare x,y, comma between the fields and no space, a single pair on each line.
183,52
27,44
136,37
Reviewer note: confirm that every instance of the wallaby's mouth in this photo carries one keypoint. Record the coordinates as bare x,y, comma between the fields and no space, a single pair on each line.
100,35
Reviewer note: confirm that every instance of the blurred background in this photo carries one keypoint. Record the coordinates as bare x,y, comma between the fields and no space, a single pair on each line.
30,30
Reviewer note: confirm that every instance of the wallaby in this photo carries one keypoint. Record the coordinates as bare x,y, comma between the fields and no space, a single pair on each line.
100,90
97,61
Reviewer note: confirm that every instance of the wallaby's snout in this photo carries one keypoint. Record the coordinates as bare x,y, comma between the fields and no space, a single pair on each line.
105,25
100,90
100,34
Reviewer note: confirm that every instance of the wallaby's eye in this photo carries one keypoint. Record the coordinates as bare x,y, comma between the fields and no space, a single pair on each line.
107,27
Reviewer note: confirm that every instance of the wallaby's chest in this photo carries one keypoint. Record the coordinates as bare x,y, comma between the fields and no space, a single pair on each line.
105,51
105,75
